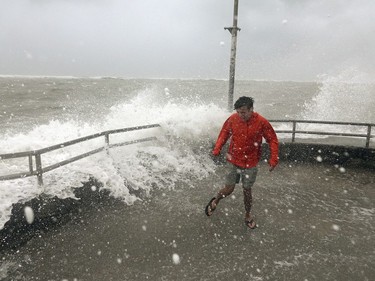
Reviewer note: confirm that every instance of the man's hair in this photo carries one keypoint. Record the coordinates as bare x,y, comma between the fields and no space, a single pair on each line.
244,101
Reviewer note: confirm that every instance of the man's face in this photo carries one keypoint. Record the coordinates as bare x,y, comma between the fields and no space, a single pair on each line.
244,112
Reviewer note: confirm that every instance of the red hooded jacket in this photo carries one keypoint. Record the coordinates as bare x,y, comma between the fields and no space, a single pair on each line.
246,140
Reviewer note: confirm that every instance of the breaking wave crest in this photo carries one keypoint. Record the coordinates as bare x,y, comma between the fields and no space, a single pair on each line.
180,153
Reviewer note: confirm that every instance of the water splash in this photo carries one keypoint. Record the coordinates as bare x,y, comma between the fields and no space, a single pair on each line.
348,97
181,153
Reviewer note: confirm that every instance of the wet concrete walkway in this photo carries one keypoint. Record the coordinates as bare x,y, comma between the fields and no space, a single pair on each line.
316,222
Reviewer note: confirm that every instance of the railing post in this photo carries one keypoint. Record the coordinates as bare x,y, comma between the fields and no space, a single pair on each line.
106,136
368,136
39,170
294,131
31,164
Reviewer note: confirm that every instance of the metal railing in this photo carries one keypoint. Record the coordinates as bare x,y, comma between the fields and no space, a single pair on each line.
40,170
37,154
367,136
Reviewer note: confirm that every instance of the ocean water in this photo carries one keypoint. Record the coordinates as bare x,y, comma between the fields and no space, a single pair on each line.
36,112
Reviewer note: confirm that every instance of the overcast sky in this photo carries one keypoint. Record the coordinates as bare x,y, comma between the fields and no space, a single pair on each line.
279,39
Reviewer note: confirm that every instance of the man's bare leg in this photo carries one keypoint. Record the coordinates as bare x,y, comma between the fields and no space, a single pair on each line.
224,192
248,201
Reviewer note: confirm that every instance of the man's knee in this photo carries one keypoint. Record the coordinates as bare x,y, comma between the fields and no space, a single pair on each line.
227,190
230,188
247,191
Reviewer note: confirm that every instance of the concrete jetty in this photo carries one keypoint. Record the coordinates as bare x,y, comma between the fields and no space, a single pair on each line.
315,216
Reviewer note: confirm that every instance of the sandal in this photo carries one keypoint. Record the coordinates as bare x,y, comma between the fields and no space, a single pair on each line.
209,209
250,223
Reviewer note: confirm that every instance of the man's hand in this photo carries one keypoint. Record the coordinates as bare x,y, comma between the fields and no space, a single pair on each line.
215,157
272,164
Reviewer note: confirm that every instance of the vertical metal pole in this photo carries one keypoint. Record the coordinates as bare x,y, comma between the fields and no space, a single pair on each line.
232,69
294,131
368,136
106,136
107,143
39,170
31,164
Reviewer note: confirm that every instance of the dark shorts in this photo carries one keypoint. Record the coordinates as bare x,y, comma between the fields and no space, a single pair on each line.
236,174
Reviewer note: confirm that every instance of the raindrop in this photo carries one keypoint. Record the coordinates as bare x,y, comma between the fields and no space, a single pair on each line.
176,259
29,214
335,227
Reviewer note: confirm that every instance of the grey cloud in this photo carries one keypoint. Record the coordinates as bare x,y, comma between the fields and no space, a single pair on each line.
282,40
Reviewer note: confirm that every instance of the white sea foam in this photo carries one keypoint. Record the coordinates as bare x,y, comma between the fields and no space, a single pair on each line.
7,267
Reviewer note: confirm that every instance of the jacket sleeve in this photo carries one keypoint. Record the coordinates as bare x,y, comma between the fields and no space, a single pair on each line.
271,138
224,135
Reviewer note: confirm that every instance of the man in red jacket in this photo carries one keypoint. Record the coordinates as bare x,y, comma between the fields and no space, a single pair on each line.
246,129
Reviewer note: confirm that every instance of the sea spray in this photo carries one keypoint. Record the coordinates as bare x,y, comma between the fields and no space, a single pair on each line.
180,153
348,97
